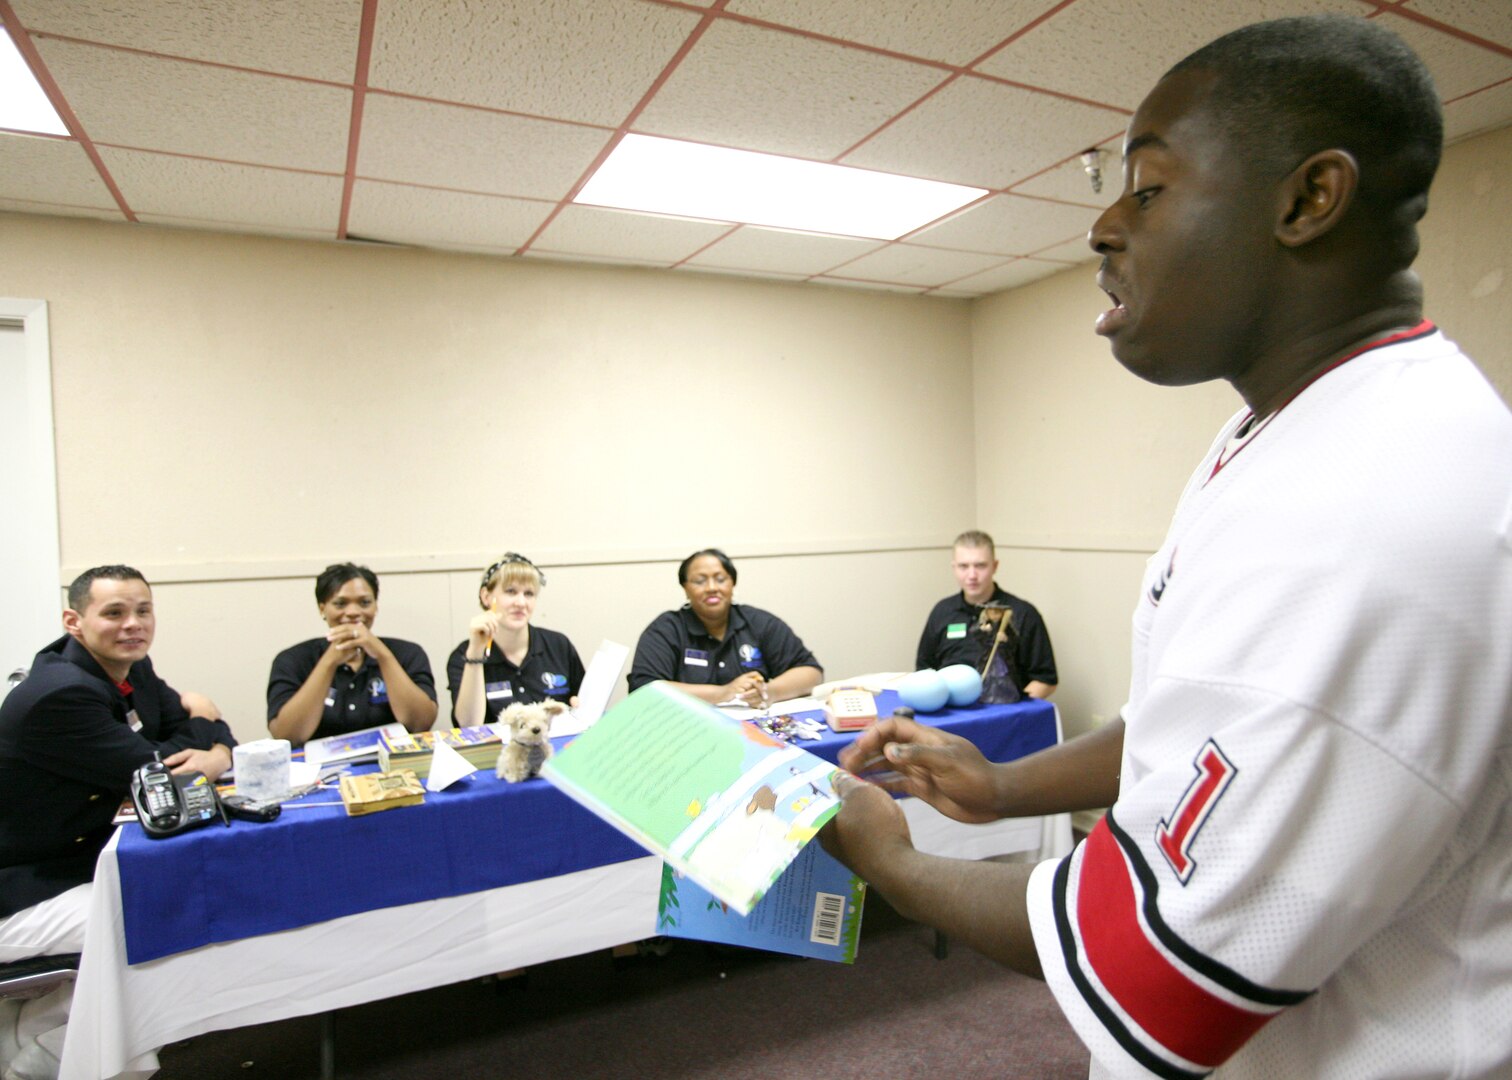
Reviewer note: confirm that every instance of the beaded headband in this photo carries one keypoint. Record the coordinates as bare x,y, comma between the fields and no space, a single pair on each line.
507,558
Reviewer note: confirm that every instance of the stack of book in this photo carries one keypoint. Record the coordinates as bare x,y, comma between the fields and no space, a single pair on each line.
479,745
371,792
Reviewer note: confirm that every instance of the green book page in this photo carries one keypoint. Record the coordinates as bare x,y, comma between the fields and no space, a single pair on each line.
719,799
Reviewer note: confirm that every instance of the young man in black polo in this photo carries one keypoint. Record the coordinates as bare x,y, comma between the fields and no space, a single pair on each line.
91,711
962,627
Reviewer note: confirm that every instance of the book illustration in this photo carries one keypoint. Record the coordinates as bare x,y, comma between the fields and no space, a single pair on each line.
722,801
369,793
813,909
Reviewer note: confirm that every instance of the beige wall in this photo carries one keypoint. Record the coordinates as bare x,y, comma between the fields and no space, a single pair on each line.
234,412
1079,464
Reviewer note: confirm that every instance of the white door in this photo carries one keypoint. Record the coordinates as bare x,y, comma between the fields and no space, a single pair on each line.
30,599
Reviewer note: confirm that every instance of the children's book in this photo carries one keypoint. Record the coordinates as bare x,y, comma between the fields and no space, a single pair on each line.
413,750
726,804
814,910
353,747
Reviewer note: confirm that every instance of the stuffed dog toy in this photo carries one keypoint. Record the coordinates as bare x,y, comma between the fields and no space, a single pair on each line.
528,744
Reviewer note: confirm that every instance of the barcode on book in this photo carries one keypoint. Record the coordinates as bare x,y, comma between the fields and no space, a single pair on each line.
829,909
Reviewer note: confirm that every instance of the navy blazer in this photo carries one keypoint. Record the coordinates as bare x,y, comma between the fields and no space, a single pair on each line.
67,753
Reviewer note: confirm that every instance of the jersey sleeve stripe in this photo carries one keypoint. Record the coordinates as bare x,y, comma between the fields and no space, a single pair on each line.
1204,965
1182,1017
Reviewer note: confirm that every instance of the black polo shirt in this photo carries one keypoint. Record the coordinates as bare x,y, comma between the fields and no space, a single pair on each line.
552,671
676,647
954,634
355,699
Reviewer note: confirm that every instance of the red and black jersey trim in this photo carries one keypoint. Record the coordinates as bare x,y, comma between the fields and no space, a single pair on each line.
1111,959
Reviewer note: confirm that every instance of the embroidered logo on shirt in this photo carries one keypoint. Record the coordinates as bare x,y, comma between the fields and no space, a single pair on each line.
750,656
1158,589
554,684
377,692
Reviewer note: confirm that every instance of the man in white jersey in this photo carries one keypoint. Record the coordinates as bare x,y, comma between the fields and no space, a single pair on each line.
1304,872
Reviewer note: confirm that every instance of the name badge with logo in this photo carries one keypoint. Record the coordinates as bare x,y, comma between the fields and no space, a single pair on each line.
955,630
750,656
555,685
696,657
496,691
133,721
377,692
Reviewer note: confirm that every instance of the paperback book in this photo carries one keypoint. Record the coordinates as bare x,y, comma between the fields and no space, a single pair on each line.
405,750
727,805
350,747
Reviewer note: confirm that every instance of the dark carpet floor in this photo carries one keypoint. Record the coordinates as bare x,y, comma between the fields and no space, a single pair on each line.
698,1013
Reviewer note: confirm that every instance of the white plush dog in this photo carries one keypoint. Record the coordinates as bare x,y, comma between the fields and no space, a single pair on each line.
529,743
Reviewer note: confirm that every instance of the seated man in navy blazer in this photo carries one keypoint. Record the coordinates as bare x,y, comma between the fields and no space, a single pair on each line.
71,734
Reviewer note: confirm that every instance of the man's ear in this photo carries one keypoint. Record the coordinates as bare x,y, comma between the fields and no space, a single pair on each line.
1314,198
73,622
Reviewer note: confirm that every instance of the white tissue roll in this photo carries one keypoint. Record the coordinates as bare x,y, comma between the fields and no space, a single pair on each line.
262,769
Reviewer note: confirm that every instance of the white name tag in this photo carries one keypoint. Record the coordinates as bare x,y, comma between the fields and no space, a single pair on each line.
495,691
133,721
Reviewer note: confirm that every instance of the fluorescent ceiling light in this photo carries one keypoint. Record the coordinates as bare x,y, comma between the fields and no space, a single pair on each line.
23,105
667,176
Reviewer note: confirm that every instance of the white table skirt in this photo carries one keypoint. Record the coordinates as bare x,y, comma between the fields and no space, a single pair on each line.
122,1013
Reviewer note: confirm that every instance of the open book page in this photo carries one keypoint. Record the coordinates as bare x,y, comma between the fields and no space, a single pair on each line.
598,684
724,803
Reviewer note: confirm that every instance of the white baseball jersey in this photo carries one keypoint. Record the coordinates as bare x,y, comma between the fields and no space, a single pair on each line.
1308,872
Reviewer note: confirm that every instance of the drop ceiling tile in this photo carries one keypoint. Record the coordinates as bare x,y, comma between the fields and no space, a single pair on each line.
871,286
1113,51
1019,272
558,58
1008,225
1069,182
452,146
152,104
761,89
1478,113
1491,21
1458,66
1072,251
215,191
42,206
243,228
313,38
50,170
950,31
780,250
976,131
766,275
652,238
908,265
399,214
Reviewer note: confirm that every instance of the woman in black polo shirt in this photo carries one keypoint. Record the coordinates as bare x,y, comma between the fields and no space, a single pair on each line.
718,650
350,679
505,660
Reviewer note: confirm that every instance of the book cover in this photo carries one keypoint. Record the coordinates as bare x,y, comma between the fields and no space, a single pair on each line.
814,910
369,793
480,745
724,803
349,746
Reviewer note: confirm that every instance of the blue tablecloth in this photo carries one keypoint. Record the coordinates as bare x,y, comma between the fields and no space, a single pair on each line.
315,863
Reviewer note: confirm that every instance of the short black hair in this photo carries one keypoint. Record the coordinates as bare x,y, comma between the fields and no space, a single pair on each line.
1289,88
336,575
724,561
79,588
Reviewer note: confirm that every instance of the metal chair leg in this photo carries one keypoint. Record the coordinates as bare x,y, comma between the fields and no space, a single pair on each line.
328,1046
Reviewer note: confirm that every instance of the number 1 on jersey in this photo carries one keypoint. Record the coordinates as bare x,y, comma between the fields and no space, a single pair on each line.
1176,834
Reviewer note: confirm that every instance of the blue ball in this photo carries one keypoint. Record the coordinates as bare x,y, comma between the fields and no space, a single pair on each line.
924,691
963,682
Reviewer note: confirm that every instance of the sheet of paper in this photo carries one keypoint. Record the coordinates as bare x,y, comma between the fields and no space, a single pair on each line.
447,767
598,685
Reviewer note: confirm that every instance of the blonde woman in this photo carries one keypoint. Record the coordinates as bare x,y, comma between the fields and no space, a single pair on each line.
505,659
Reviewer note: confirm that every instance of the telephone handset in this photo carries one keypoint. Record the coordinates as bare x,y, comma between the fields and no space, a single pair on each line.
167,803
